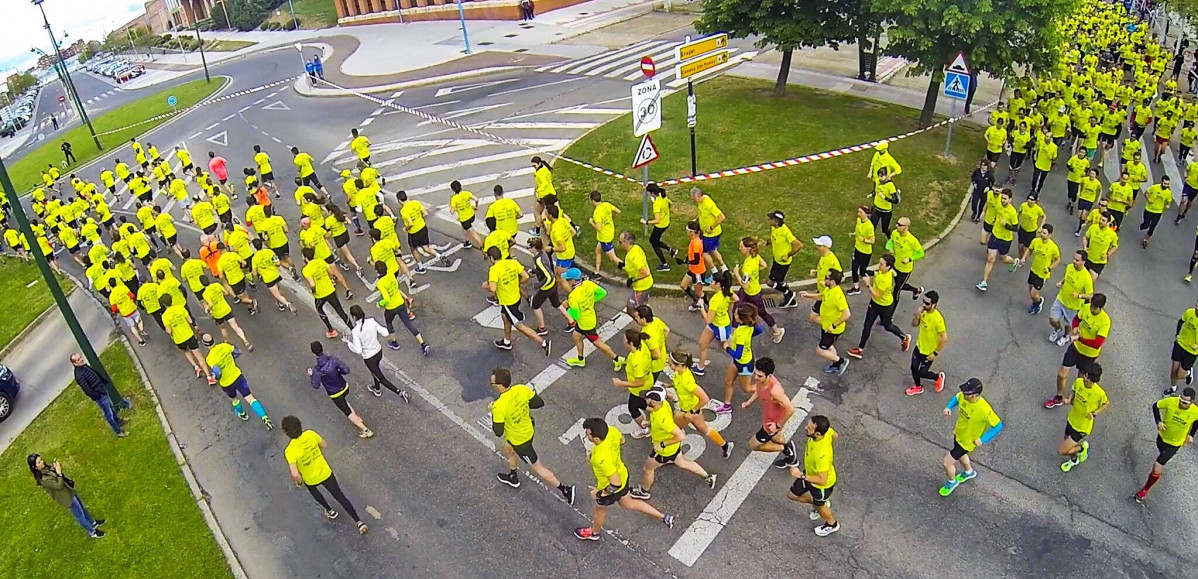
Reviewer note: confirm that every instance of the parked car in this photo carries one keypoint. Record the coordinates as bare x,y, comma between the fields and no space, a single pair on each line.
9,387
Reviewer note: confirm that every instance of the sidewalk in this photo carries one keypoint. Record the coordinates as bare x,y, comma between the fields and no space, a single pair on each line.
40,361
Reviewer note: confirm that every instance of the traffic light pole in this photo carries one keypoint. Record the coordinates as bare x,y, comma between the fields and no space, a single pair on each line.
64,307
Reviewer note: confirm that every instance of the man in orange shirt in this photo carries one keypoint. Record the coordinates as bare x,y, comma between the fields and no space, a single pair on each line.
696,271
210,253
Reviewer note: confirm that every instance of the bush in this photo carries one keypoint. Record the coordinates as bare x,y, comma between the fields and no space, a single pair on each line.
289,25
276,26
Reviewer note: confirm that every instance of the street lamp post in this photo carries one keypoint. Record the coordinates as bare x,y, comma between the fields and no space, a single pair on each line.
294,20
203,59
462,19
64,307
69,83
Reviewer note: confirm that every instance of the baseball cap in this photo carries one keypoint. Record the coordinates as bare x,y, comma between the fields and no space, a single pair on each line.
656,394
823,240
972,386
572,274
776,215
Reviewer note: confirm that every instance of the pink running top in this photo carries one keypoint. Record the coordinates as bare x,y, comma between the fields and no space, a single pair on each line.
218,167
771,411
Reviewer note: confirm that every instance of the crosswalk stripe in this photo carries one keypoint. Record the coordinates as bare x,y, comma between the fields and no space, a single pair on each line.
459,164
584,67
623,62
534,125
661,60
585,60
484,202
490,178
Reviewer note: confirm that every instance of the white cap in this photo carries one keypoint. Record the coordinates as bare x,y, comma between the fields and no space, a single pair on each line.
824,241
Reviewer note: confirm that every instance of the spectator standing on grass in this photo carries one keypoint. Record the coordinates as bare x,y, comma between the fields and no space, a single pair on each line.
95,386
62,490
67,154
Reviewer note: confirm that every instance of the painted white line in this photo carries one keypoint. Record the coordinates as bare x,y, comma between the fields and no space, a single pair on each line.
464,112
210,127
276,139
458,164
661,60
367,121
483,202
719,511
516,90
535,125
602,56
465,87
613,60
243,109
551,374
377,112
195,135
456,148
491,178
583,110
229,117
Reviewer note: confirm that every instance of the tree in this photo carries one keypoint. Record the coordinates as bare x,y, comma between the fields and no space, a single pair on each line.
247,14
89,50
20,83
784,24
995,35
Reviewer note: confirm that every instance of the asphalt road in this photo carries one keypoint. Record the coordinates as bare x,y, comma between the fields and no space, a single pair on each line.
429,473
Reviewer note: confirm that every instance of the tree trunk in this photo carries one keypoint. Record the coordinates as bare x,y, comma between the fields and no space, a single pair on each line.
929,101
877,44
862,54
783,73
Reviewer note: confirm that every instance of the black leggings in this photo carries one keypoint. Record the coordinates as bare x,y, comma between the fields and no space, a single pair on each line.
886,313
921,368
402,313
881,221
977,203
900,283
380,379
1038,177
1072,188
860,265
332,300
659,247
334,489
1150,222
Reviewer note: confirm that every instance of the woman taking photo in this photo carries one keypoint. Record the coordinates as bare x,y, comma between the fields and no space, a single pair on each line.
62,490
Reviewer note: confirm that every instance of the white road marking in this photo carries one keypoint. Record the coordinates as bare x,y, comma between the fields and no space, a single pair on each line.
210,127
579,110
221,138
458,164
258,102
719,511
464,112
489,178
243,109
195,135
516,90
397,94
229,117
276,106
366,122
465,87
535,125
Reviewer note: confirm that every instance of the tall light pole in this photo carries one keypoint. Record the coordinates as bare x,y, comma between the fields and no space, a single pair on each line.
66,73
64,307
462,19
203,59
294,20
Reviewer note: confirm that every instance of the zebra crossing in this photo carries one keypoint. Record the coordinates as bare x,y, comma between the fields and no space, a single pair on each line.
101,97
625,64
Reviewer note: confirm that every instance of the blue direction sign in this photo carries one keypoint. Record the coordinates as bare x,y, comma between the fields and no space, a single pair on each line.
172,101
956,85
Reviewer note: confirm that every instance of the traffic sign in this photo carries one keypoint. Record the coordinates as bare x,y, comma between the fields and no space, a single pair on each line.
700,47
645,154
958,64
172,101
648,67
956,85
646,107
689,69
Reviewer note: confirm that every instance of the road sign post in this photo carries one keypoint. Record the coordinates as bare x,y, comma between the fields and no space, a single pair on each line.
956,88
693,58
172,101
646,153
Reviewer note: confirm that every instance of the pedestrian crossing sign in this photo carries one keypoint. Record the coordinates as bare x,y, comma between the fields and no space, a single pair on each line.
956,85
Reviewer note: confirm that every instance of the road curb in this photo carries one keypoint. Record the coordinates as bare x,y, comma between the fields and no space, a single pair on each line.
16,340
218,534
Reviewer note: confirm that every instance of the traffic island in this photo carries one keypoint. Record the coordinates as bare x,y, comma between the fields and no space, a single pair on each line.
741,124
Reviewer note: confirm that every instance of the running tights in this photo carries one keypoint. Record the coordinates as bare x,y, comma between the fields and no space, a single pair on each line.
860,265
886,313
659,246
380,379
334,489
402,313
332,300
1038,177
921,368
901,285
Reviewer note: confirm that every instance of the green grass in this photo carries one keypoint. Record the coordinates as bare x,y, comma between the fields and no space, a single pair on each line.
20,303
227,45
741,123
154,527
312,14
26,172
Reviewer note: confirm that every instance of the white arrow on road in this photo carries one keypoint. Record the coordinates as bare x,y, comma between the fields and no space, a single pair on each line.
221,138
456,89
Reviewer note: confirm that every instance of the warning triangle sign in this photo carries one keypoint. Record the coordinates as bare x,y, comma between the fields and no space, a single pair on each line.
645,154
958,64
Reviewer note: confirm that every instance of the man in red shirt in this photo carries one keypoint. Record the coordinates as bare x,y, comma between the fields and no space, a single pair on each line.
220,168
776,410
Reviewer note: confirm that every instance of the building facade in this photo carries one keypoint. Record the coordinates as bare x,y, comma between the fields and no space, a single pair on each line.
351,12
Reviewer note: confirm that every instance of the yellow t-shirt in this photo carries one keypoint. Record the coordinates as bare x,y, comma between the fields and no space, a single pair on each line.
687,390
863,230
750,274
304,452
360,146
1077,281
1006,219
582,298
412,213
1187,337
1044,253
1085,401
1177,421
720,307
505,274
817,458
742,336
263,162
931,325
318,271
883,282
657,341
781,242
831,307
462,203
507,214
1099,242
384,250
266,264
606,460
221,356
634,262
637,366
175,320
661,429
303,163
562,235
973,418
604,217
511,410
661,212
1030,216
708,213
123,301
1091,326
275,230
214,296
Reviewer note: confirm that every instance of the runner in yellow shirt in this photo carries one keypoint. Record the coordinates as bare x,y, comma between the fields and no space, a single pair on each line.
748,274
360,145
1089,332
1177,423
1156,200
1045,257
1087,401
977,424
511,418
413,212
542,177
503,280
503,214
465,205
711,221
611,480
636,267
307,173
814,482
214,302
181,327
667,445
265,265
309,468
1185,350
603,220
1006,223
785,246
266,174
316,273
1100,243
1031,217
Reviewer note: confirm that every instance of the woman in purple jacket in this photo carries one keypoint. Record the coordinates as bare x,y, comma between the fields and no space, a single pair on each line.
330,373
